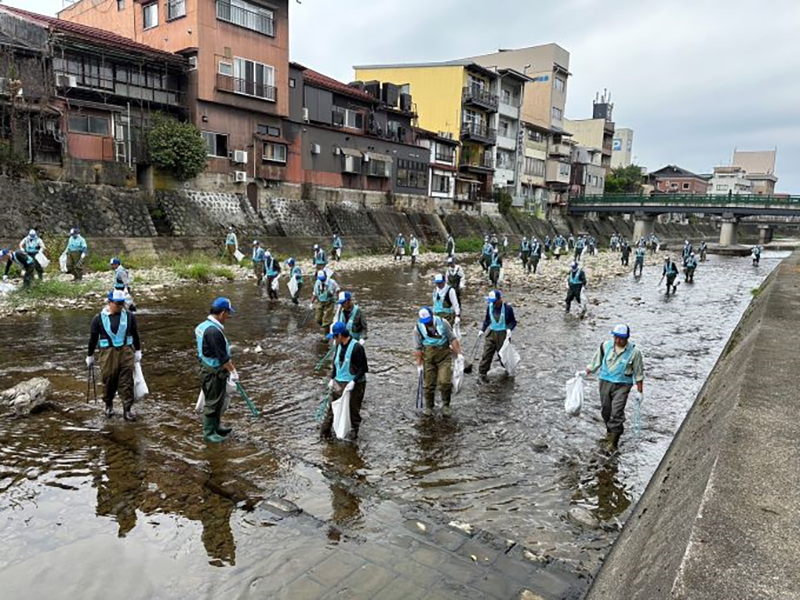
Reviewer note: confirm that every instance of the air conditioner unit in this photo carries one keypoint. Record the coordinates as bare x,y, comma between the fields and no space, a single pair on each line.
193,63
305,115
67,81
240,156
315,149
337,151
240,176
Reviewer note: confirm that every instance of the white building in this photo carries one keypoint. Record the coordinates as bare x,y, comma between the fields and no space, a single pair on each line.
443,169
622,148
731,180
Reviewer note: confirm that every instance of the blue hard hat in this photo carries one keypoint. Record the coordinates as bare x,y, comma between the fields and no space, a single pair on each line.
222,304
114,261
338,329
494,296
290,261
344,297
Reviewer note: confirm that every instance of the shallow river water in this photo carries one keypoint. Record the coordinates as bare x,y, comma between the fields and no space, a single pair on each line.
149,509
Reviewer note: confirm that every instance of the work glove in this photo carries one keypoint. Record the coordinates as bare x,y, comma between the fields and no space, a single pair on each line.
234,376
480,333
137,356
350,387
331,383
419,369
361,341
83,255
90,361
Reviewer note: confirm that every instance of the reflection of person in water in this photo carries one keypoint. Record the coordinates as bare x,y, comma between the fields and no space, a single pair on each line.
215,515
346,461
613,498
121,491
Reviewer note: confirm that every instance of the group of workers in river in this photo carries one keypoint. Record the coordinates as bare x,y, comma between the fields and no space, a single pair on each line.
114,336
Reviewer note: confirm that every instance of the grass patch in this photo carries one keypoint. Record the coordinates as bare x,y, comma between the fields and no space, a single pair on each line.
201,272
51,289
756,292
468,244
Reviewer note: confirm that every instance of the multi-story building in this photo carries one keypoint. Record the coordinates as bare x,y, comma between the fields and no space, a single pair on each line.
238,52
675,180
510,150
534,185
622,148
727,181
352,136
760,169
597,132
88,95
588,177
460,98
443,162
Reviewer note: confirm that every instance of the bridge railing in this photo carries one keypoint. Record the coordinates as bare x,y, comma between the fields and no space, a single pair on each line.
684,200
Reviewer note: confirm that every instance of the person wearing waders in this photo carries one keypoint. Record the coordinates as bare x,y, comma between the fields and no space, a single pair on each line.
495,264
756,253
638,265
670,271
688,270
450,246
486,254
295,273
445,301
687,251
231,245
399,247
337,247
500,322
525,254
23,261
122,281
258,262
547,245
76,253
320,258
349,313
536,255
322,300
272,269
621,365
576,281
32,245
115,336
570,242
455,277
625,253
216,368
349,374
413,247
434,347
703,251
579,246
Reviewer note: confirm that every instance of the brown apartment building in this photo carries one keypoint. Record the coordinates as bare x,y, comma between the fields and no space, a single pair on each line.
238,52
675,180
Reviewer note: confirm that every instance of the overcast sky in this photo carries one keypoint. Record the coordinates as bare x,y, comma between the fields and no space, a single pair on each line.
694,79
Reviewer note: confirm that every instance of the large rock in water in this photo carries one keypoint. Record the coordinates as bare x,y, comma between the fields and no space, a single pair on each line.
26,397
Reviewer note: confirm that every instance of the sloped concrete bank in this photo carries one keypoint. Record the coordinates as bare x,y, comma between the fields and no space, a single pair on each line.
719,519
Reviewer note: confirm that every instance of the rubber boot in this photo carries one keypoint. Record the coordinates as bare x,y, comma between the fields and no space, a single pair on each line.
446,412
109,410
428,410
128,415
219,429
209,433
613,442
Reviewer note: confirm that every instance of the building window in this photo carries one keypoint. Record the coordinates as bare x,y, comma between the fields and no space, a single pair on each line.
226,68
445,154
535,136
559,84
557,113
248,15
505,129
723,188
563,169
88,124
686,186
506,96
673,186
216,143
534,167
412,174
268,130
253,79
150,15
379,168
275,152
344,117
505,160
440,184
473,118
120,4
292,82
176,9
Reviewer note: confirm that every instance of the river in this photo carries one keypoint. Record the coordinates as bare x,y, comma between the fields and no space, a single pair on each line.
85,501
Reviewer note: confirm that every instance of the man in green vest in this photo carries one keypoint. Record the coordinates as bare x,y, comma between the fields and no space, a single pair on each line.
621,366
434,347
115,335
216,368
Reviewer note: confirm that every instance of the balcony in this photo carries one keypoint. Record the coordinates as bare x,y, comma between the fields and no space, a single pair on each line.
446,158
246,87
478,133
560,150
478,164
254,20
477,96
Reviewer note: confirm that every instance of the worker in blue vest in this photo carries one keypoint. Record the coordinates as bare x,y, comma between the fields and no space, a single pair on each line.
450,246
323,298
638,265
525,254
231,245
580,245
272,270
670,271
497,327
689,268
687,251
337,247
258,262
486,253
399,247
32,245
23,261
445,301
435,344
296,274
320,258
216,368
495,264
756,254
621,366
76,253
349,374
122,281
576,281
349,313
413,247
536,254
115,336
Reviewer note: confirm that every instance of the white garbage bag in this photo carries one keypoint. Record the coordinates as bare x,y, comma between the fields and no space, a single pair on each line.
43,261
415,252
339,253
293,286
238,255
510,358
62,262
341,416
458,374
501,277
457,331
574,402
201,402
230,390
140,389
275,283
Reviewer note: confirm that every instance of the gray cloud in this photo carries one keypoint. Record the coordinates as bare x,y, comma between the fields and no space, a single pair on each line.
693,78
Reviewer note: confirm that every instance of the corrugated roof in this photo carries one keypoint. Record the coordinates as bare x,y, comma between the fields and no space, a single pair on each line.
91,34
319,80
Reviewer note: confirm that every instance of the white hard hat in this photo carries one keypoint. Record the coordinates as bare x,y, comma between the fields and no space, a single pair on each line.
32,233
439,278
621,331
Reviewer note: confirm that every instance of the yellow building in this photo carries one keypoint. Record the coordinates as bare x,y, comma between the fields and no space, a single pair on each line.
459,99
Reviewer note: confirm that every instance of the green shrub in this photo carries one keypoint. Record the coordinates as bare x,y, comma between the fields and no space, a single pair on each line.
177,147
51,289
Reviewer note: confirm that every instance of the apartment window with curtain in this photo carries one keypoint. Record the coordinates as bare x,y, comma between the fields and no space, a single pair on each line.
440,184
89,124
150,15
274,152
253,79
534,167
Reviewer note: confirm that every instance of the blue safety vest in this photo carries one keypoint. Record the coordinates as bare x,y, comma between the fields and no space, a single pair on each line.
691,263
487,249
526,246
400,242
32,245
640,255
76,244
199,332
428,340
120,338
230,240
320,258
258,255
297,273
28,259
580,244
350,322
575,277
439,301
337,243
671,269
497,324
322,290
269,265
342,367
617,374
119,278
496,261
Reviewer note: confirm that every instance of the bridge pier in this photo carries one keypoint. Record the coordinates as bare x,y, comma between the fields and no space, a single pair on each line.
642,227
727,233
765,234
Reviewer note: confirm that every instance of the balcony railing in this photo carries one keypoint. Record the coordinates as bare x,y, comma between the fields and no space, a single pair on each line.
477,162
473,94
445,157
246,87
242,17
479,132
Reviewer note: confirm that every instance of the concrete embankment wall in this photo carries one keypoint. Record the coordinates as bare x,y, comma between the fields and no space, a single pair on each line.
181,219
719,519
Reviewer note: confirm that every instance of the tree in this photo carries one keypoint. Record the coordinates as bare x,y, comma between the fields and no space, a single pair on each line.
177,147
624,180
504,201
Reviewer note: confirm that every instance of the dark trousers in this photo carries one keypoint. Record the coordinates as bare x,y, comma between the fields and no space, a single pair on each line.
491,345
273,295
639,264
625,258
613,399
258,269
494,275
36,265
574,293
438,363
214,385
534,264
75,264
356,402
116,372
578,252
